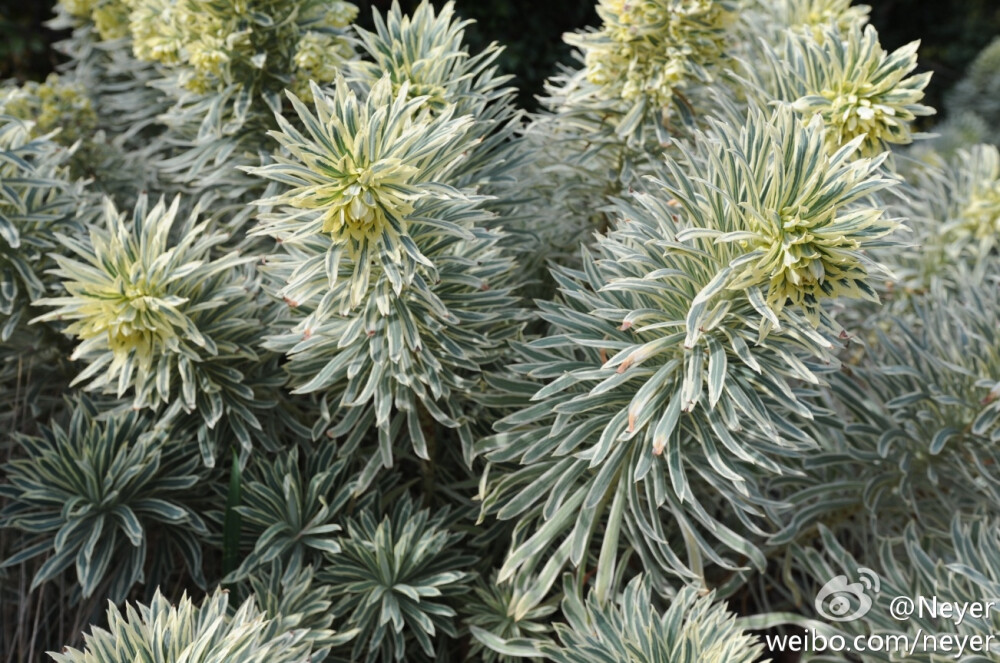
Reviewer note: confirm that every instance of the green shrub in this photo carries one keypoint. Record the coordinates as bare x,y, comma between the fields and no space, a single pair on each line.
110,498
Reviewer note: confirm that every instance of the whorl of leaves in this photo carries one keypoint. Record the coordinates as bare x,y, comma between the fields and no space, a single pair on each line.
670,381
494,614
289,507
693,629
207,633
111,497
397,579
36,202
159,315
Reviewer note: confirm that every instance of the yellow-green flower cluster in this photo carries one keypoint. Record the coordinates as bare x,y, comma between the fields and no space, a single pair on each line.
815,15
983,212
318,57
122,296
802,226
357,175
157,32
807,239
257,43
649,48
976,192
134,295
858,88
53,105
110,17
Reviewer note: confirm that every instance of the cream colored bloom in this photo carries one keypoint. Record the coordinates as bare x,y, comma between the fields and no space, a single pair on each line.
110,17
649,48
816,15
801,228
54,104
216,45
973,187
357,175
141,297
982,213
121,296
319,57
858,88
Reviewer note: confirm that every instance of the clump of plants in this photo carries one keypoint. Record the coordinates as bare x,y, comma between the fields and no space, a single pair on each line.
315,347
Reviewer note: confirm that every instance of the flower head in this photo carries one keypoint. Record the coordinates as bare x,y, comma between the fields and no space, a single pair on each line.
794,215
54,104
955,210
125,297
318,57
156,313
815,15
649,48
110,17
260,45
977,185
359,176
857,87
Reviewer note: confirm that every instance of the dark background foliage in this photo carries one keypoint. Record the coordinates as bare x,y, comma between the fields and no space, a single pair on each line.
951,33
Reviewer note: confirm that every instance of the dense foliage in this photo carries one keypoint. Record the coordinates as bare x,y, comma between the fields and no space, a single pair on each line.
312,320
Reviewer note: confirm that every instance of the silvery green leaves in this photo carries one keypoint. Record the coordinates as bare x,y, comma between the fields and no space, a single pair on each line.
694,629
677,370
925,401
297,602
36,202
633,432
208,633
494,618
860,90
397,579
397,294
794,223
110,497
959,561
707,391
414,370
162,319
425,51
362,172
